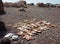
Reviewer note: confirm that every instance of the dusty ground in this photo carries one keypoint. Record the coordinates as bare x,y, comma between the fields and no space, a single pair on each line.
52,15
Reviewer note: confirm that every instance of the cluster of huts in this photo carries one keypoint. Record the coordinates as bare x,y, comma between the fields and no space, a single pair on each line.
24,4
6,4
18,4
47,5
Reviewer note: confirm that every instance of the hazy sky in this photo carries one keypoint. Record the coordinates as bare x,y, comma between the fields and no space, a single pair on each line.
36,1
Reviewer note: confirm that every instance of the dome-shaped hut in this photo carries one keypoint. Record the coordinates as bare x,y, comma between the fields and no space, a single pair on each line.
22,3
40,4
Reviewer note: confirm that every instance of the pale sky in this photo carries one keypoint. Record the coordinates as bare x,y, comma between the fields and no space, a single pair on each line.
36,1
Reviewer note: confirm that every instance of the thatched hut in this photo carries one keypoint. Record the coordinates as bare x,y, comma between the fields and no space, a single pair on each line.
57,5
40,4
22,4
1,8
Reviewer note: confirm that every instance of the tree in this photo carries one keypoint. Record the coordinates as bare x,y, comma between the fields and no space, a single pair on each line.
32,3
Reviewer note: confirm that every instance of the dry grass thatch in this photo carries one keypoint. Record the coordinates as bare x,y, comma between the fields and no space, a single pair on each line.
30,28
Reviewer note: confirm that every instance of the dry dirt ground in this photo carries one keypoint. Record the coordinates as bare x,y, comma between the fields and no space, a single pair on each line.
52,15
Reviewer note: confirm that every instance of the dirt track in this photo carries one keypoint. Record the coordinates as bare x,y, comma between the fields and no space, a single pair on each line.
52,15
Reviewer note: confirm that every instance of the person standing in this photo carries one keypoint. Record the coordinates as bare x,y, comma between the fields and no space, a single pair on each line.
5,41
1,8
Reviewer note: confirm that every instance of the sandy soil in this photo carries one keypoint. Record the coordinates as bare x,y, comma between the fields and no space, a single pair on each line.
52,15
